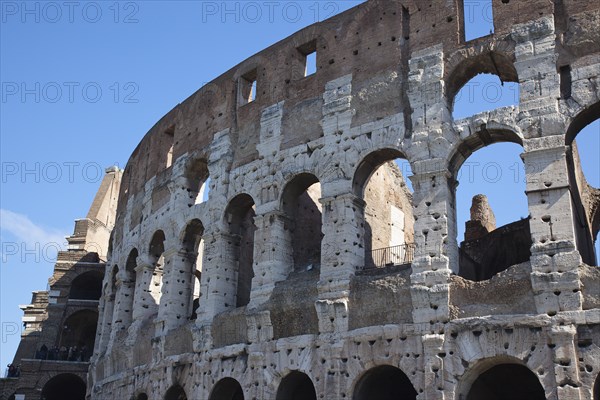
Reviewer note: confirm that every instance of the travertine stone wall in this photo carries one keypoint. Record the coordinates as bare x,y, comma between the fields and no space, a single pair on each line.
387,74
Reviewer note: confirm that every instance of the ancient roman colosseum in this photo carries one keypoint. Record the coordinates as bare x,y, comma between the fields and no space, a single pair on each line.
266,247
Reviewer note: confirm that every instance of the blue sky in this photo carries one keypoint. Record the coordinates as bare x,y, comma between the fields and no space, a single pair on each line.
82,85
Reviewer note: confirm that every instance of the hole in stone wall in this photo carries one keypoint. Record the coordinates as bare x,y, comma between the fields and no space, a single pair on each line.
296,386
240,218
78,334
157,260
584,175
384,383
247,87
308,58
300,202
193,245
87,286
484,92
198,181
382,182
64,386
507,381
565,82
479,18
176,393
492,207
127,292
227,389
170,138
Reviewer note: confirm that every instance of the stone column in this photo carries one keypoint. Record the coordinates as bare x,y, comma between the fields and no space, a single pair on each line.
342,253
554,258
175,305
436,251
433,365
273,255
124,301
219,276
144,305
566,366
105,310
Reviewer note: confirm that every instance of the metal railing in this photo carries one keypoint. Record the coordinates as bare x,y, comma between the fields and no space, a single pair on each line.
395,255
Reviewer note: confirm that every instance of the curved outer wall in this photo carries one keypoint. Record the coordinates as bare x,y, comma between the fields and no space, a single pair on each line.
387,74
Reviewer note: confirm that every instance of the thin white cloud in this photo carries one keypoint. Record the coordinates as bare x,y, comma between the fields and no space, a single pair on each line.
28,232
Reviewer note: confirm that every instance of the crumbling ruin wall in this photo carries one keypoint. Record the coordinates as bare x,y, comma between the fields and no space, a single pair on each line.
387,74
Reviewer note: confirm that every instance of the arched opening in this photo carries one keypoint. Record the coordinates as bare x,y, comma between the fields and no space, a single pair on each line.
296,386
157,260
109,306
227,389
484,92
142,396
196,294
583,139
507,382
198,181
193,245
381,180
384,383
87,286
491,204
77,337
300,203
176,393
127,293
486,81
239,217
64,387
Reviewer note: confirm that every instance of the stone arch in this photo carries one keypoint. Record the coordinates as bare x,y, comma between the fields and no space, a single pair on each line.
581,120
64,386
302,209
508,378
478,140
388,211
227,389
176,392
86,286
156,258
239,224
296,386
477,260
127,290
193,248
463,68
78,332
384,382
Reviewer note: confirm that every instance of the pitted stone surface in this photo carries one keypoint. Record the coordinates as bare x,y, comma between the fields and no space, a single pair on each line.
279,266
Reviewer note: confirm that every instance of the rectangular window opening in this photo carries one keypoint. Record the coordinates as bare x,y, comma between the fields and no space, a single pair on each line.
479,18
247,87
308,54
565,82
170,135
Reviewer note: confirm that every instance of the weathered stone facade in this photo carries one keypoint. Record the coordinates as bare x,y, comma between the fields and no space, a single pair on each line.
264,292
286,308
